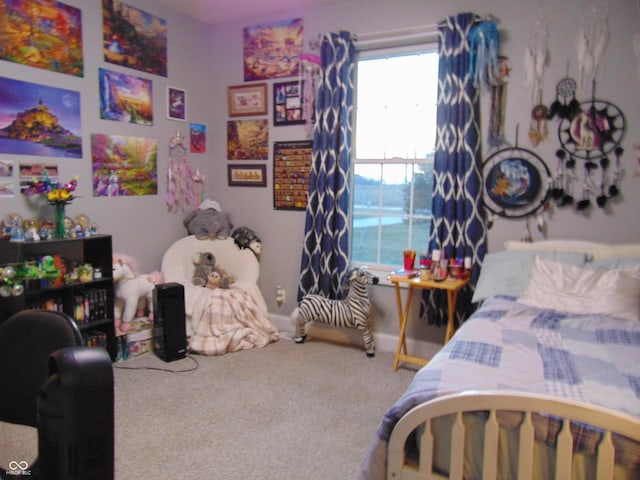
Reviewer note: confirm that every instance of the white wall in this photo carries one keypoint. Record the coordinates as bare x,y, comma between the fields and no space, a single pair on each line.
206,59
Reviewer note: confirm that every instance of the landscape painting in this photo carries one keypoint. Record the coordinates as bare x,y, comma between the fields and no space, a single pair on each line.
134,38
125,98
43,34
273,50
39,120
124,166
248,140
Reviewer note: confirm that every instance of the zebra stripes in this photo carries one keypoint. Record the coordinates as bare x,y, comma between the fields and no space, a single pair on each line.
351,312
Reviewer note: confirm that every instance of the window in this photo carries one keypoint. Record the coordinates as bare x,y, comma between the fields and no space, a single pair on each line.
395,130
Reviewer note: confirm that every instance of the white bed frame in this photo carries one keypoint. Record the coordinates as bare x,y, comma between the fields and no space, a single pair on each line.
610,422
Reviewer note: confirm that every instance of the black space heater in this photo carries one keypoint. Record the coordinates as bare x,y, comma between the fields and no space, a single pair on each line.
169,327
75,416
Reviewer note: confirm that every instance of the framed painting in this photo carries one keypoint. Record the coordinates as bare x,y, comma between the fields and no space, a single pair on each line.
29,110
124,166
44,34
133,38
176,104
291,168
273,50
287,103
125,98
244,100
247,175
248,139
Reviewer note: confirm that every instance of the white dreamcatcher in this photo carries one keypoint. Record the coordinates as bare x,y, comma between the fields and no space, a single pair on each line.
592,42
535,62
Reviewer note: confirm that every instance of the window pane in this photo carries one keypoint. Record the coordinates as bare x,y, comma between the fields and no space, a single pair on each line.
393,168
396,99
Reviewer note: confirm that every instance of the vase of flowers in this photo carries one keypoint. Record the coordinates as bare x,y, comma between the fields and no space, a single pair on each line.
58,196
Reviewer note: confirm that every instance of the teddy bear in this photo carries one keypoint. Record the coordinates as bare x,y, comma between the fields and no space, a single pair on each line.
219,278
204,264
208,221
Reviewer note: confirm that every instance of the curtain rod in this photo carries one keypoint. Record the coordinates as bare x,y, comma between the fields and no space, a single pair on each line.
405,36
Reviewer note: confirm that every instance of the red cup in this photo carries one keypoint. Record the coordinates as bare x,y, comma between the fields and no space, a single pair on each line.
408,263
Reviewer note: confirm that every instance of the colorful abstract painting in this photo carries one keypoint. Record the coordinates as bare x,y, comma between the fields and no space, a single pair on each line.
125,98
124,166
39,120
273,50
248,139
43,34
134,38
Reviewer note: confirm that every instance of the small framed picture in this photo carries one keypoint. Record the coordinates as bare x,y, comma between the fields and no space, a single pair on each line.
176,104
247,175
287,103
247,99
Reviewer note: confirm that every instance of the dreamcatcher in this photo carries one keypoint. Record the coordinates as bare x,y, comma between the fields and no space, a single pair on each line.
535,61
516,185
180,178
592,41
590,131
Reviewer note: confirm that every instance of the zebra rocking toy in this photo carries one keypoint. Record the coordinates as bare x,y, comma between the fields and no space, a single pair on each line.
352,312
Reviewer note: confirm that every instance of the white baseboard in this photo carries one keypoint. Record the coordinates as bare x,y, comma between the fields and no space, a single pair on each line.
384,341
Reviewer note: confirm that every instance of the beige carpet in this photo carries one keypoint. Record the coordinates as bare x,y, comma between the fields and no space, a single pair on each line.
285,412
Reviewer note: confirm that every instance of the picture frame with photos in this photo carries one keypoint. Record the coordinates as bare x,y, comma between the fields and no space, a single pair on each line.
287,103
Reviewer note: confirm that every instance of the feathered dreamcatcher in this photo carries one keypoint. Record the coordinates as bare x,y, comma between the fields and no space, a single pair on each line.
180,179
592,41
516,185
535,62
591,132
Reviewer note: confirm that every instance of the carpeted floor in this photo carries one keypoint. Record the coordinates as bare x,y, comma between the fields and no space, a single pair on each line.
285,412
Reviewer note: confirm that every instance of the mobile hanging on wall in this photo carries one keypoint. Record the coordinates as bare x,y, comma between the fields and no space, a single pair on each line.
590,135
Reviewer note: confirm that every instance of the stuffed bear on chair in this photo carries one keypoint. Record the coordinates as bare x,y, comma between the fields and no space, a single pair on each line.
208,221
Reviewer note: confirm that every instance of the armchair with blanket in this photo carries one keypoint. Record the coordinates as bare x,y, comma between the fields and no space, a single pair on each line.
220,320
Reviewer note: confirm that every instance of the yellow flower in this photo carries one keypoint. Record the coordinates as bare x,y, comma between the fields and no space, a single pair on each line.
60,195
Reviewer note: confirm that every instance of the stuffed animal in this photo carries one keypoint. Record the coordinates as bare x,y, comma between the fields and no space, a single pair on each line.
244,237
219,278
204,263
133,292
208,221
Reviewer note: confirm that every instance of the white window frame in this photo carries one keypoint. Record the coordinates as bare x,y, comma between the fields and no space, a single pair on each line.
381,270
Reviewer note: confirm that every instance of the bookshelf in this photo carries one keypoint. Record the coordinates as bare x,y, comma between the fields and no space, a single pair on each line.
90,303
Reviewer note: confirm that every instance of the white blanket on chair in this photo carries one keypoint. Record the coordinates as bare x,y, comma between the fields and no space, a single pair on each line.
228,320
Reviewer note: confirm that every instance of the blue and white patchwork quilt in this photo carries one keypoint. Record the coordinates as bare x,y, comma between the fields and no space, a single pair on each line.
506,345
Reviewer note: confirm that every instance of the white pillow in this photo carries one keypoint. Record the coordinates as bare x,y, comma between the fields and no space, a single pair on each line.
507,272
575,290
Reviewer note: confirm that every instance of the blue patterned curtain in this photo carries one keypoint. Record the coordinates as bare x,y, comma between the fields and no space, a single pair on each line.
457,226
326,238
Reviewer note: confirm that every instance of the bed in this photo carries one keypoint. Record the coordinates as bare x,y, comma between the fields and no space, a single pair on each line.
542,381
220,320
